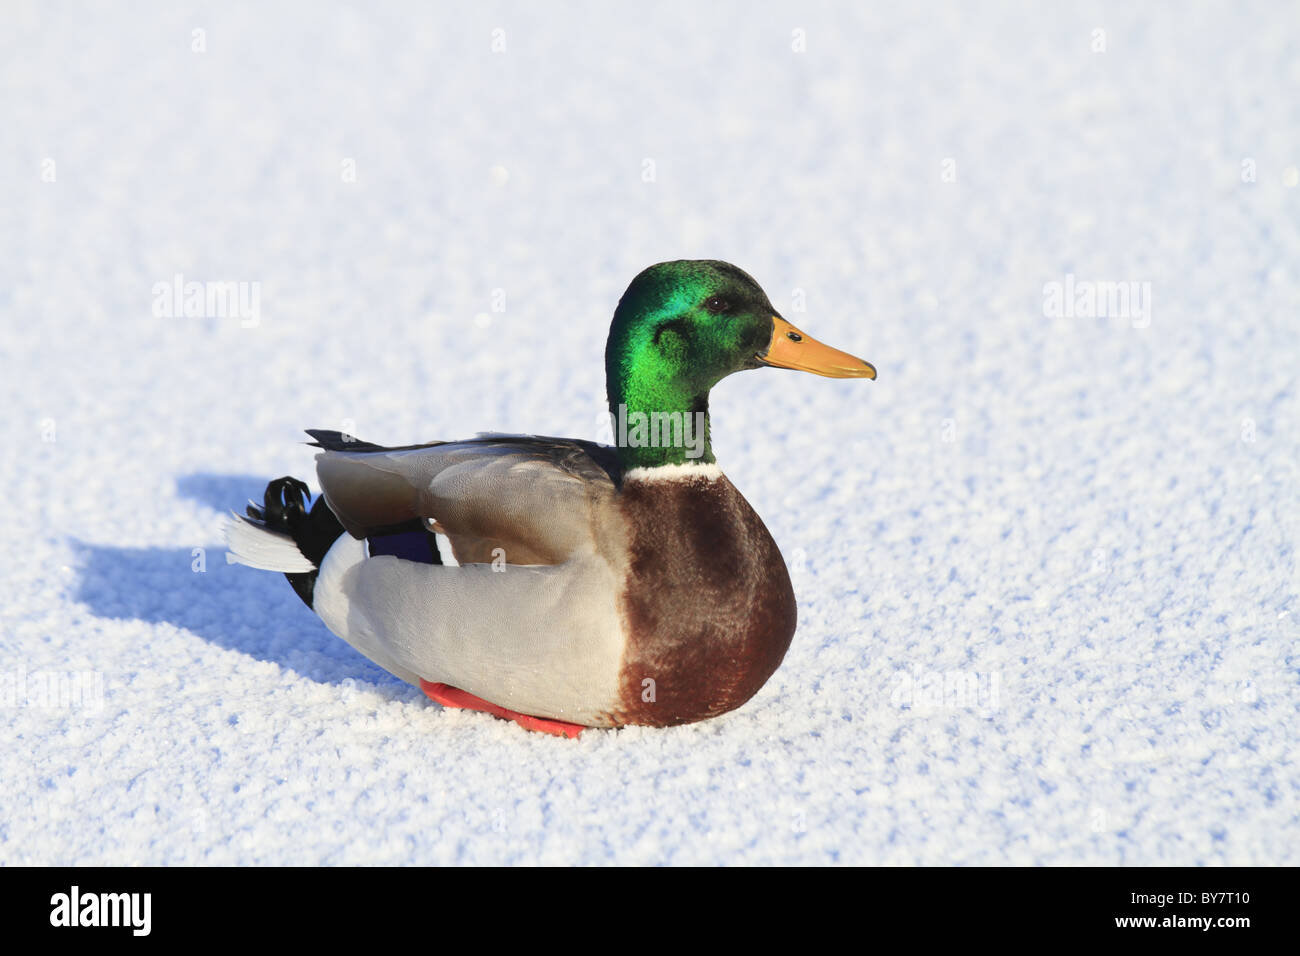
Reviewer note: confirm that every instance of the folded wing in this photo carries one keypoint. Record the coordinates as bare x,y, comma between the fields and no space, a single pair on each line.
523,499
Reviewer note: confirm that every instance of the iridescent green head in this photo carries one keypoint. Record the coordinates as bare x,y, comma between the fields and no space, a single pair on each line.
680,328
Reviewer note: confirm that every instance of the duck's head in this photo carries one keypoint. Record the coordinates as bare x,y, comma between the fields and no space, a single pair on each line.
681,327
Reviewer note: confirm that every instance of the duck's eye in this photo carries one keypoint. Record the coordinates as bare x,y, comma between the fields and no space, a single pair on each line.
717,304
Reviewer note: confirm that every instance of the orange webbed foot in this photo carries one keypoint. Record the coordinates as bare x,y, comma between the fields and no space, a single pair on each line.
449,696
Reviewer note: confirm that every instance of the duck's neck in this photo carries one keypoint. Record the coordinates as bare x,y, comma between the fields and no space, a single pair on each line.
655,424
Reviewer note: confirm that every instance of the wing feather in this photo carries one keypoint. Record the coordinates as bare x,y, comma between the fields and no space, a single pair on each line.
536,499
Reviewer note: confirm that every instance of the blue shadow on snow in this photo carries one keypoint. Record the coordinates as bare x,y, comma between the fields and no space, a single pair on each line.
229,605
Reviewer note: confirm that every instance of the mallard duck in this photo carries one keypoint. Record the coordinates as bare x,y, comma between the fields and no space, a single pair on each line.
558,582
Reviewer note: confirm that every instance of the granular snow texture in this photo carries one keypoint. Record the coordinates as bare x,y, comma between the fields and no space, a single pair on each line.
1045,565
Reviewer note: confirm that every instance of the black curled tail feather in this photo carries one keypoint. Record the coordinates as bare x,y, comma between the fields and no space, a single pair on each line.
314,532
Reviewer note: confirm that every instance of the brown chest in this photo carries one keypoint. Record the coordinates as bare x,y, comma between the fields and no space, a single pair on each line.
708,608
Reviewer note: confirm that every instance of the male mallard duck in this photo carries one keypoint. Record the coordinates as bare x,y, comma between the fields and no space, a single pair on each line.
594,586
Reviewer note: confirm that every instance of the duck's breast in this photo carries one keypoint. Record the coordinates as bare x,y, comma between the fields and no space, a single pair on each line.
707,607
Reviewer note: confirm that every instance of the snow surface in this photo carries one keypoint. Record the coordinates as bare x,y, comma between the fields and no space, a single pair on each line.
1046,566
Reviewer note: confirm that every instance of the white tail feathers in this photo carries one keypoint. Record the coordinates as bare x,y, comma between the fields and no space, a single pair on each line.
264,549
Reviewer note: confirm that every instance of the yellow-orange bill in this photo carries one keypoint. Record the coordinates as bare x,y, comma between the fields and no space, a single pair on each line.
791,348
